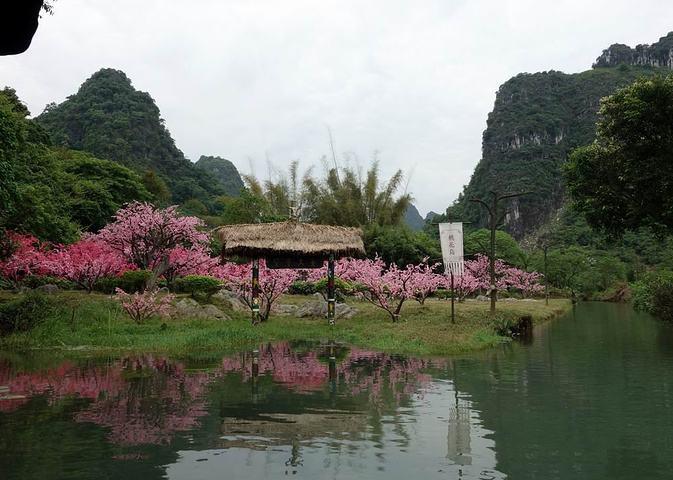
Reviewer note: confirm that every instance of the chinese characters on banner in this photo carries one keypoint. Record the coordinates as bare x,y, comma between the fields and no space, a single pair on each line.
451,240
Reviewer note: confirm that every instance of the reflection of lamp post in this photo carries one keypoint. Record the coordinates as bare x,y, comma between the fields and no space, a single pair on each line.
331,292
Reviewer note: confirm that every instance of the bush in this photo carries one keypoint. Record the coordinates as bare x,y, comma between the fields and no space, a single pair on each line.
654,294
198,285
24,314
34,281
131,282
341,287
302,287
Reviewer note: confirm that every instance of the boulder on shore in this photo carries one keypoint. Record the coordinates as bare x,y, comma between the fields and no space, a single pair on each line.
190,308
230,300
317,308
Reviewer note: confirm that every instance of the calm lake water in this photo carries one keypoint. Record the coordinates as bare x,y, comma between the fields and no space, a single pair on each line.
590,398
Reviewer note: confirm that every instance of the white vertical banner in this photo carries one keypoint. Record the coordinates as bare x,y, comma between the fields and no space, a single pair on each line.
451,240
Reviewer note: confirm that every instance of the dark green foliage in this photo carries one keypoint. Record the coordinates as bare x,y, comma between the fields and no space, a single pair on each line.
55,193
24,313
246,208
224,171
623,180
536,121
157,188
654,294
34,281
346,197
301,287
341,288
413,219
199,286
131,282
398,244
112,120
506,248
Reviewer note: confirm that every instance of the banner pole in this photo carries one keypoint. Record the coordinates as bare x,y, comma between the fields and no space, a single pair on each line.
453,299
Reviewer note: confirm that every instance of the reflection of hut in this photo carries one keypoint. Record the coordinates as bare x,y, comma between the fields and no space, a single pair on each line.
282,429
291,244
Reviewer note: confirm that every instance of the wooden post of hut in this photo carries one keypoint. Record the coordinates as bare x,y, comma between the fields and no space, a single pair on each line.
331,291
255,291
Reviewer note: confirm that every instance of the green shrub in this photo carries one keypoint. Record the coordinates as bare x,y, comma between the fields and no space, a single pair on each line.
34,281
342,288
131,282
198,285
24,313
654,294
302,287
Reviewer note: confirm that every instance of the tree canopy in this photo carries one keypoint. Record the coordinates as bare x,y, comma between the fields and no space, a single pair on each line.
624,179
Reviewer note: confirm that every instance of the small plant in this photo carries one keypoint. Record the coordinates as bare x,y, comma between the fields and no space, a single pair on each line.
198,285
302,287
503,325
24,314
131,281
143,305
341,288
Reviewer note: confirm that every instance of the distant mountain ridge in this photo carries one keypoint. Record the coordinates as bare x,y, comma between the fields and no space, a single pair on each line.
537,119
413,219
109,118
223,171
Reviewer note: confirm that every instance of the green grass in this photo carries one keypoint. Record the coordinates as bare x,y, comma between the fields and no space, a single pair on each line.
95,324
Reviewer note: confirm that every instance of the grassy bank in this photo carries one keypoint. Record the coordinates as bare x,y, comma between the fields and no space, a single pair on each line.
94,323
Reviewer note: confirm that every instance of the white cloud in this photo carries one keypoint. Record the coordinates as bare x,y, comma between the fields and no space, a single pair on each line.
250,80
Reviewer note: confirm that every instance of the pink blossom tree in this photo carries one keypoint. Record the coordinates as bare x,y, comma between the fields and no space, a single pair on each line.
528,283
479,269
28,258
272,283
85,262
424,281
143,305
189,261
464,284
146,235
386,287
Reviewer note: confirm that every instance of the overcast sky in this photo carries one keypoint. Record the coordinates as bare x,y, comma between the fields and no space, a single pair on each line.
259,81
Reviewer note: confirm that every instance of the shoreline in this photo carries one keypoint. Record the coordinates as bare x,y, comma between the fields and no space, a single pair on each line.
93,324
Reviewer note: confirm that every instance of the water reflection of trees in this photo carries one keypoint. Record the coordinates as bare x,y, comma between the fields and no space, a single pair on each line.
148,399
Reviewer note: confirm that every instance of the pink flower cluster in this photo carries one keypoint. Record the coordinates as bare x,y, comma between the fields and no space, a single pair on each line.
142,305
272,283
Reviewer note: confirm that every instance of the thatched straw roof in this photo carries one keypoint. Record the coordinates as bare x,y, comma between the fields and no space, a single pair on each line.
290,240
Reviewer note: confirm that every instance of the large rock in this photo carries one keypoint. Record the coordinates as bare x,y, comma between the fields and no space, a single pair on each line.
285,310
190,308
483,298
317,308
230,300
48,289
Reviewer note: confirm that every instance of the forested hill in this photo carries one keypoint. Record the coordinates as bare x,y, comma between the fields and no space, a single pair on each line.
223,171
536,121
109,118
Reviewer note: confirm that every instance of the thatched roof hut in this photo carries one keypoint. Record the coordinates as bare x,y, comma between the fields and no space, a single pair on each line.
290,243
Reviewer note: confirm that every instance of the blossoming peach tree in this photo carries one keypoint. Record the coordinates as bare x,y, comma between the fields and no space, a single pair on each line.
272,283
146,236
